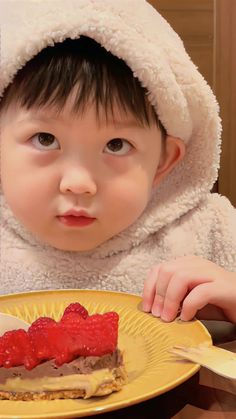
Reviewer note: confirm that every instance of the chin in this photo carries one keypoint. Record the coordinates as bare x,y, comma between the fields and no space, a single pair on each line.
73,247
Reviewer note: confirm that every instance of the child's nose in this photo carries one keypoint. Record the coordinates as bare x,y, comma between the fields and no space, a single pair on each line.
78,181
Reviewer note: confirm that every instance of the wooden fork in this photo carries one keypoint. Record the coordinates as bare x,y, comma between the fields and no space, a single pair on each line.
216,359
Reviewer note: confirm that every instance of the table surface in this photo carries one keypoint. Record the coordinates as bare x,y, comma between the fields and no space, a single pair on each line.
204,396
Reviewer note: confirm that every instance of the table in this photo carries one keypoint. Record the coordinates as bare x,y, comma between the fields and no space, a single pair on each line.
204,396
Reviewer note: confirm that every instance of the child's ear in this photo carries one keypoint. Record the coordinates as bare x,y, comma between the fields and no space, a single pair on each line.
173,151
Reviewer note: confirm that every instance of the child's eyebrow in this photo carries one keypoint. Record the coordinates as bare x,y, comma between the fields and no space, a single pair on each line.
106,122
124,124
30,118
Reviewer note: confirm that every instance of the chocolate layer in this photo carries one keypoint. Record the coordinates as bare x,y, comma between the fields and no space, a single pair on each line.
80,365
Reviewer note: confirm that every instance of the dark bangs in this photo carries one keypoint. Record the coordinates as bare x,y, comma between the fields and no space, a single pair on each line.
99,77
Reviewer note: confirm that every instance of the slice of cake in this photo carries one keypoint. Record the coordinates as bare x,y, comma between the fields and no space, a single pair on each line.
73,358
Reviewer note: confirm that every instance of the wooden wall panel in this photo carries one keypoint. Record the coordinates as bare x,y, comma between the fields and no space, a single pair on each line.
225,88
208,29
193,20
182,4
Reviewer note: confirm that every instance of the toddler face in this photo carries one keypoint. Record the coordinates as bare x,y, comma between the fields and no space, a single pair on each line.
74,181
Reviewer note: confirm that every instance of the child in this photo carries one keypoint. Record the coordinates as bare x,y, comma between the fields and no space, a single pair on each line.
109,149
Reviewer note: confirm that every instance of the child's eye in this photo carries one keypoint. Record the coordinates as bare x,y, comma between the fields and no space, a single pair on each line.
118,146
45,141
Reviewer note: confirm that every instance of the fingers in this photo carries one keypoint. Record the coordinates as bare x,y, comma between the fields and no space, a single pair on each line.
168,285
179,285
176,291
198,298
155,287
149,289
210,301
154,290
162,285
190,282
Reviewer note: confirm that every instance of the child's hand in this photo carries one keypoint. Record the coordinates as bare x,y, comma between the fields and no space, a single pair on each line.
189,284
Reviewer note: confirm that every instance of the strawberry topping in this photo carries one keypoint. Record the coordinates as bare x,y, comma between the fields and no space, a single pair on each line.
76,308
76,334
16,349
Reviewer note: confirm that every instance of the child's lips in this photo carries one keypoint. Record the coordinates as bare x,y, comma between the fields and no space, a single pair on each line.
74,218
76,221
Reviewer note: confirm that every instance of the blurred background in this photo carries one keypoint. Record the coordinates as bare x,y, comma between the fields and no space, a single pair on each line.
208,29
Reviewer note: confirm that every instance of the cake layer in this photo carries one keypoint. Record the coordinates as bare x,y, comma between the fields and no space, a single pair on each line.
101,388
80,365
87,374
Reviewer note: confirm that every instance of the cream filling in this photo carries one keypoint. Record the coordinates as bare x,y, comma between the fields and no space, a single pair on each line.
87,382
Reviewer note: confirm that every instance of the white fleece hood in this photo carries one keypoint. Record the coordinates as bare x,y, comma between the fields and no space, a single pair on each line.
135,32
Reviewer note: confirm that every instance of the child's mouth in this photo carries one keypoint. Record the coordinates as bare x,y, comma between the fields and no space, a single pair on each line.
75,221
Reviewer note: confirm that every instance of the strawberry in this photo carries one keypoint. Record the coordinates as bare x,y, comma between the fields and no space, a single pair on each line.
41,323
50,340
38,334
71,320
61,343
77,334
76,308
16,349
97,335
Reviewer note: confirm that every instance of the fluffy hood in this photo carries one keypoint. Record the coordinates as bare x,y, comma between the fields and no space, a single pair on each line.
135,32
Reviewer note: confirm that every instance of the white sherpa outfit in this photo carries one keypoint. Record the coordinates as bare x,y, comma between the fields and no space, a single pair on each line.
182,218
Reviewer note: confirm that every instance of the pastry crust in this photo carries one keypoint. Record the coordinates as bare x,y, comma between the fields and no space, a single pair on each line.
119,380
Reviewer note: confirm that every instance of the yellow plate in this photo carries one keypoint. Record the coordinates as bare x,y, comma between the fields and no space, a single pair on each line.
145,340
